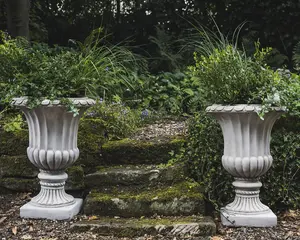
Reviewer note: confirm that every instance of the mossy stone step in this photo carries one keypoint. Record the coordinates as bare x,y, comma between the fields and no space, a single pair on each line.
20,184
28,182
184,198
128,175
17,166
187,227
128,151
13,143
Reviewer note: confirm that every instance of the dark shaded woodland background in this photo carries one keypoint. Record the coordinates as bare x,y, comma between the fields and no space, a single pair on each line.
275,23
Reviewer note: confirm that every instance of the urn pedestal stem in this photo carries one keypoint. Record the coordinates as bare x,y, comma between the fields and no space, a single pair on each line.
246,157
52,148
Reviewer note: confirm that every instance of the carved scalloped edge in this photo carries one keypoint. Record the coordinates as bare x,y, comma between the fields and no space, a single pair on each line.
239,108
22,101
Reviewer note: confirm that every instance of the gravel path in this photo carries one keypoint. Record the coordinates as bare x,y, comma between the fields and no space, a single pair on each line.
162,129
13,227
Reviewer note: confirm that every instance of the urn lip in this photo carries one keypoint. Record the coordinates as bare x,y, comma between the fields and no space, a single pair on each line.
240,108
78,102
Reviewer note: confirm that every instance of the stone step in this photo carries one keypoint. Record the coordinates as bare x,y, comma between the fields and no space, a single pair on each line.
128,175
186,227
129,151
184,198
19,175
17,166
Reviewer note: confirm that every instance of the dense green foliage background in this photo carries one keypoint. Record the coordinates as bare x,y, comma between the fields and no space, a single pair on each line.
275,23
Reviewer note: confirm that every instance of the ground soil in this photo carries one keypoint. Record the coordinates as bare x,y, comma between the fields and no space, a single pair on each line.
13,227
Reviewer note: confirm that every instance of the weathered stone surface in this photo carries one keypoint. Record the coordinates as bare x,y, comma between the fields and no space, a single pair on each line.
74,182
30,210
195,226
183,198
128,151
148,175
76,178
17,166
13,144
20,184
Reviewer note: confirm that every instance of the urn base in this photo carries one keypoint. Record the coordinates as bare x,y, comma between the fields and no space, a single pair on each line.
53,213
264,219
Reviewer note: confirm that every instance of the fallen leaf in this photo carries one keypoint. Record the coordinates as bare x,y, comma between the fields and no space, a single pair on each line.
26,196
216,238
229,230
289,234
14,230
26,237
2,219
92,218
290,215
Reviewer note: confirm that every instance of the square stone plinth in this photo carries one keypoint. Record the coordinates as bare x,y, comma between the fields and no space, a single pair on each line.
267,219
58,213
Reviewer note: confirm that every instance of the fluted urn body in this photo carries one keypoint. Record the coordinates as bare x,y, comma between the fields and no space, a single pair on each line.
52,148
246,157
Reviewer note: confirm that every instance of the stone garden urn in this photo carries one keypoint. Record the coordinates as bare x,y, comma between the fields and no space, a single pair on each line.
246,157
52,148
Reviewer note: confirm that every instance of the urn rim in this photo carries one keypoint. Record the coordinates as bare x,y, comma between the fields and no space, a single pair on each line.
239,108
78,102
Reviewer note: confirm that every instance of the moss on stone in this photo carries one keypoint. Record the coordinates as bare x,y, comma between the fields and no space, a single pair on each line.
13,144
152,221
76,178
186,227
17,166
20,184
188,189
184,198
128,151
135,176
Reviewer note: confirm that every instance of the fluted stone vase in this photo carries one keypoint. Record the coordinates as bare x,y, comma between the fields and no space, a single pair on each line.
246,157
52,148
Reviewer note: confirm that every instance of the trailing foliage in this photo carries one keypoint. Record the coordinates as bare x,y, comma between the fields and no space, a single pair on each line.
202,155
284,91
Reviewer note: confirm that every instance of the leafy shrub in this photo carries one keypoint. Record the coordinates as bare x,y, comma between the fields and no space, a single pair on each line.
12,123
203,152
90,69
170,93
227,76
108,121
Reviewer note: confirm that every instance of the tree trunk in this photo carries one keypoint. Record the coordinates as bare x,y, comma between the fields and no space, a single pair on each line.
118,11
18,17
